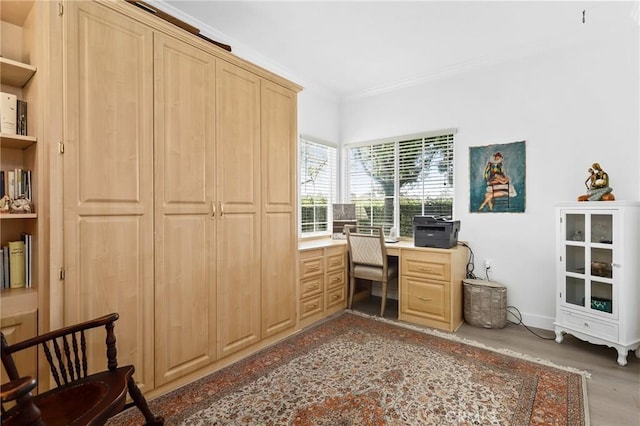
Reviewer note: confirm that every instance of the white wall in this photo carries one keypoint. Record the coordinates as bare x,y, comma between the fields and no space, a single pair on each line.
573,106
318,115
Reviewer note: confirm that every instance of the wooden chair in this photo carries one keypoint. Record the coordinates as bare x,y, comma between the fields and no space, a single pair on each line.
79,398
368,259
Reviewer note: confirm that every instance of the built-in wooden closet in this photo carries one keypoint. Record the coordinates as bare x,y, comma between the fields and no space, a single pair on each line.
177,209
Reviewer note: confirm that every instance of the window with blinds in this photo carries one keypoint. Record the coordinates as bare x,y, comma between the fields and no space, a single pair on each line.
317,186
391,181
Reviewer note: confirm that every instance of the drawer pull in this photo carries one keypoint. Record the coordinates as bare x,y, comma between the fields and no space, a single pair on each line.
425,269
315,305
425,299
312,286
312,267
335,297
335,262
336,279
586,324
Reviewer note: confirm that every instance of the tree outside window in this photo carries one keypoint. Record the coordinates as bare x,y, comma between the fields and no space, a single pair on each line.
391,182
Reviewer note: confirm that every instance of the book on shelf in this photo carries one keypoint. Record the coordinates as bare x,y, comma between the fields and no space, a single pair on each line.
2,184
28,187
11,184
5,264
26,238
8,113
2,285
21,117
19,183
17,273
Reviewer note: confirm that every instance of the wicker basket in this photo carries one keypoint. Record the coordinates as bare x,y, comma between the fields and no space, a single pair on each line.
485,303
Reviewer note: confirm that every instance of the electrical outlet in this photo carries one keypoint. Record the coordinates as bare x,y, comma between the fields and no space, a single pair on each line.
488,263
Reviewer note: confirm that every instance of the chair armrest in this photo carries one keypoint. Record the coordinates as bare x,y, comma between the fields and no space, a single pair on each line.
17,388
34,341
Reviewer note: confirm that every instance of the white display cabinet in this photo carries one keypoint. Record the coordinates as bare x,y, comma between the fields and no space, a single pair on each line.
598,278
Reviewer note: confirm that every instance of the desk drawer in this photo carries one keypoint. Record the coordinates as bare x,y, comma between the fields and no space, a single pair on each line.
429,265
335,259
311,286
425,299
588,325
336,297
311,306
312,266
336,279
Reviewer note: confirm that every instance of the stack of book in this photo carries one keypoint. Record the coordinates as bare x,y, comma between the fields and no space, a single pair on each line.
13,115
16,184
15,264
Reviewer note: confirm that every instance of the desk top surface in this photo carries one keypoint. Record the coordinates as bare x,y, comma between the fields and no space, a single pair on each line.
392,248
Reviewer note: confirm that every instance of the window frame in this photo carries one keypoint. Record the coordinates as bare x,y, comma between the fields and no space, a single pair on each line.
332,186
397,196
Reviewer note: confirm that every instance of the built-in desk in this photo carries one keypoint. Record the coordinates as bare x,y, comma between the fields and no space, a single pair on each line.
430,280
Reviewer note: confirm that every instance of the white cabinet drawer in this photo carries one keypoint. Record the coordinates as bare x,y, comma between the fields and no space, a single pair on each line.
588,325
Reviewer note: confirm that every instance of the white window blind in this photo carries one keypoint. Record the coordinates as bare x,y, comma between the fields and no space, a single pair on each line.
393,180
372,183
317,186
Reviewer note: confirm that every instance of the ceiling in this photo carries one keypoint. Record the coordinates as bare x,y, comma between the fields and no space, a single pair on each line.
348,49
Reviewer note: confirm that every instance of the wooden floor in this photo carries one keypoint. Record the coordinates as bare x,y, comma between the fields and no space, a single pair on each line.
613,391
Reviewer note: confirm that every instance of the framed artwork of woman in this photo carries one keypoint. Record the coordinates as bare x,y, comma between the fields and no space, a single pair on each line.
497,178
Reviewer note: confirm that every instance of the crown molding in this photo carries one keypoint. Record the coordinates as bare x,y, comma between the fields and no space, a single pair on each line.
245,52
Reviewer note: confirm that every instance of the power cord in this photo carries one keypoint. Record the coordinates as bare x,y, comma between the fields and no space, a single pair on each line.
518,316
510,309
470,262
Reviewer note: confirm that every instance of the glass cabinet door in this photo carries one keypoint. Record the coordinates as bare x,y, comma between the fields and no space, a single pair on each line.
588,258
574,259
601,264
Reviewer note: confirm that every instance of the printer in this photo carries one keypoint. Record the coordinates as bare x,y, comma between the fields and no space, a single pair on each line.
429,231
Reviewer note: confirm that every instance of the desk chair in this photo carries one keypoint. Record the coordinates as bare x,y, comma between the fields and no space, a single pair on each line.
368,259
79,398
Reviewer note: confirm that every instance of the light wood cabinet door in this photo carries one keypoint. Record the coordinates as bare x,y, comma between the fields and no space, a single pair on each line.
279,229
17,328
185,225
238,192
108,179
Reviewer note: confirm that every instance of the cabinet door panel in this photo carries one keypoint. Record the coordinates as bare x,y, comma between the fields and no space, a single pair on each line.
279,153
279,295
279,229
185,316
238,138
238,293
185,298
238,190
108,175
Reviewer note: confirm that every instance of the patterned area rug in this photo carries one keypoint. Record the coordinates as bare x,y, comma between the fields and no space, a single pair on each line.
356,370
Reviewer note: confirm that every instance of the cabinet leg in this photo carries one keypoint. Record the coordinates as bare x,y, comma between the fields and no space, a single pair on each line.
622,356
559,336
